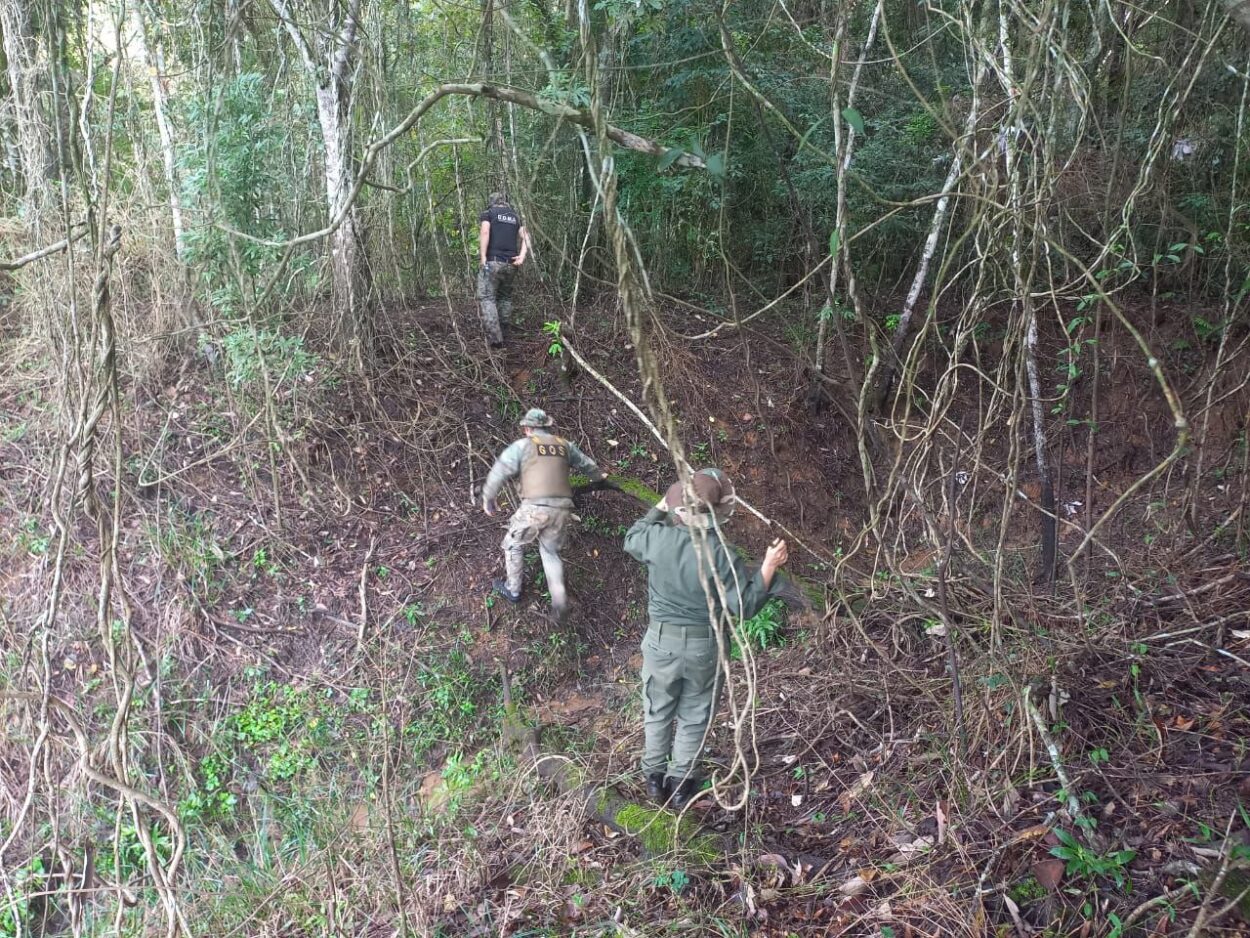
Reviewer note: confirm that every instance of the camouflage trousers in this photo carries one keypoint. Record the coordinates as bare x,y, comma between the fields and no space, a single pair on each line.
494,294
681,688
548,526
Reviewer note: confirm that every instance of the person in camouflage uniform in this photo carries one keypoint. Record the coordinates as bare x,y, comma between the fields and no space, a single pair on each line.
685,556
503,244
543,461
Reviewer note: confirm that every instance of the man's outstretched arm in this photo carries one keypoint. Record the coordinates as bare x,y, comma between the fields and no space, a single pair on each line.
582,463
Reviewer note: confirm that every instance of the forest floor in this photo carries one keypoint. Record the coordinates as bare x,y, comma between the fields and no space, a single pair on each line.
320,689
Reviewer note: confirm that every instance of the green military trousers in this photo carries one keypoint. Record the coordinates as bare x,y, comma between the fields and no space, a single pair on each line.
681,681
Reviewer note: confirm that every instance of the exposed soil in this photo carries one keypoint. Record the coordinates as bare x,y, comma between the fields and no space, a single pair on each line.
380,534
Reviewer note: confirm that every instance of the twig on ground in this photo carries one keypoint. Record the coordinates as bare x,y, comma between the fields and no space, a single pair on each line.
1056,760
41,253
1161,899
1205,916
364,593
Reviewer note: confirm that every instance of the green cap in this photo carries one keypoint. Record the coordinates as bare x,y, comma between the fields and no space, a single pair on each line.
536,417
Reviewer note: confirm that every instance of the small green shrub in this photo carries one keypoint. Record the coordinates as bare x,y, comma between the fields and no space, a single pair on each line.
284,356
763,630
1084,863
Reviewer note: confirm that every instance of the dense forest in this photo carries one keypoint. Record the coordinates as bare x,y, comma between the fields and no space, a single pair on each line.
952,293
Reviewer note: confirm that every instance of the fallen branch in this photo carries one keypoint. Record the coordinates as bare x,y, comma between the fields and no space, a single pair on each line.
1074,806
44,252
1206,916
364,594
637,412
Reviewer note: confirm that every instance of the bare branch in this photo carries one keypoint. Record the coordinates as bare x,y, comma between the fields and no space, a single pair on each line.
40,254
624,138
305,50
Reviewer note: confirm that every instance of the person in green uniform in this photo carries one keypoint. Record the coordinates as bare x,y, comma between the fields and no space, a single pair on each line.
543,461
687,562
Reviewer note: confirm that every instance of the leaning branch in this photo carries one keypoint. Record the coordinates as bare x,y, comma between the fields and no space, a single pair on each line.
624,138
43,252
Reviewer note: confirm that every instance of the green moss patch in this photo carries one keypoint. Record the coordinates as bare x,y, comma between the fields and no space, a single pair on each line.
661,831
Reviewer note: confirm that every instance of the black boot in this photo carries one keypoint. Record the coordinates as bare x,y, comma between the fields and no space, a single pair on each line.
501,588
683,793
657,787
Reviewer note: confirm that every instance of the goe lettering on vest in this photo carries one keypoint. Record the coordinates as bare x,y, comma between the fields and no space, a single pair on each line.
545,469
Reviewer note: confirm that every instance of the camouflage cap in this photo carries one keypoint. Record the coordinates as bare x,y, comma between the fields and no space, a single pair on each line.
536,417
712,489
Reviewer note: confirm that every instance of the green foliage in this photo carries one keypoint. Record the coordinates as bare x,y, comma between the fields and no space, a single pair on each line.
460,774
661,830
567,88
249,352
506,403
1028,890
187,543
452,700
282,725
920,128
551,329
1084,863
763,630
673,880
232,175
32,539
209,799
131,853
18,900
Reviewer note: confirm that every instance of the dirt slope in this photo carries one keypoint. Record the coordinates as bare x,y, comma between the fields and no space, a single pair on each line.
321,660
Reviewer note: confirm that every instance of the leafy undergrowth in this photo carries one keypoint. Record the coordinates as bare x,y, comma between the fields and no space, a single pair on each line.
319,681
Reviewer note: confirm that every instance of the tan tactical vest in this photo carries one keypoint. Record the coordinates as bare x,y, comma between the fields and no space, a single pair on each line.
545,468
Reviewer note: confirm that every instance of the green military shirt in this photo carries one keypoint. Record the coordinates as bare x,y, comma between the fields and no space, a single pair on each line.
675,591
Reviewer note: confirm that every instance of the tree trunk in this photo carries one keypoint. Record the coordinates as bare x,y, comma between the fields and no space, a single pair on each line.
351,316
153,60
903,328
1012,133
330,66
155,68
28,87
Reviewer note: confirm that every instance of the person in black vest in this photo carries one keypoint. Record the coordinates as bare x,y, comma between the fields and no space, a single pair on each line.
503,244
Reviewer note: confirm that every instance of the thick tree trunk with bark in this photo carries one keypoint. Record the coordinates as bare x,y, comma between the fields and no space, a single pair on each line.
350,306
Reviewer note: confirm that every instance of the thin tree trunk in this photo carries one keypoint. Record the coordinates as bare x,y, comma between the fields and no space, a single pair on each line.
344,243
331,70
28,88
153,62
930,246
1012,134
847,151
